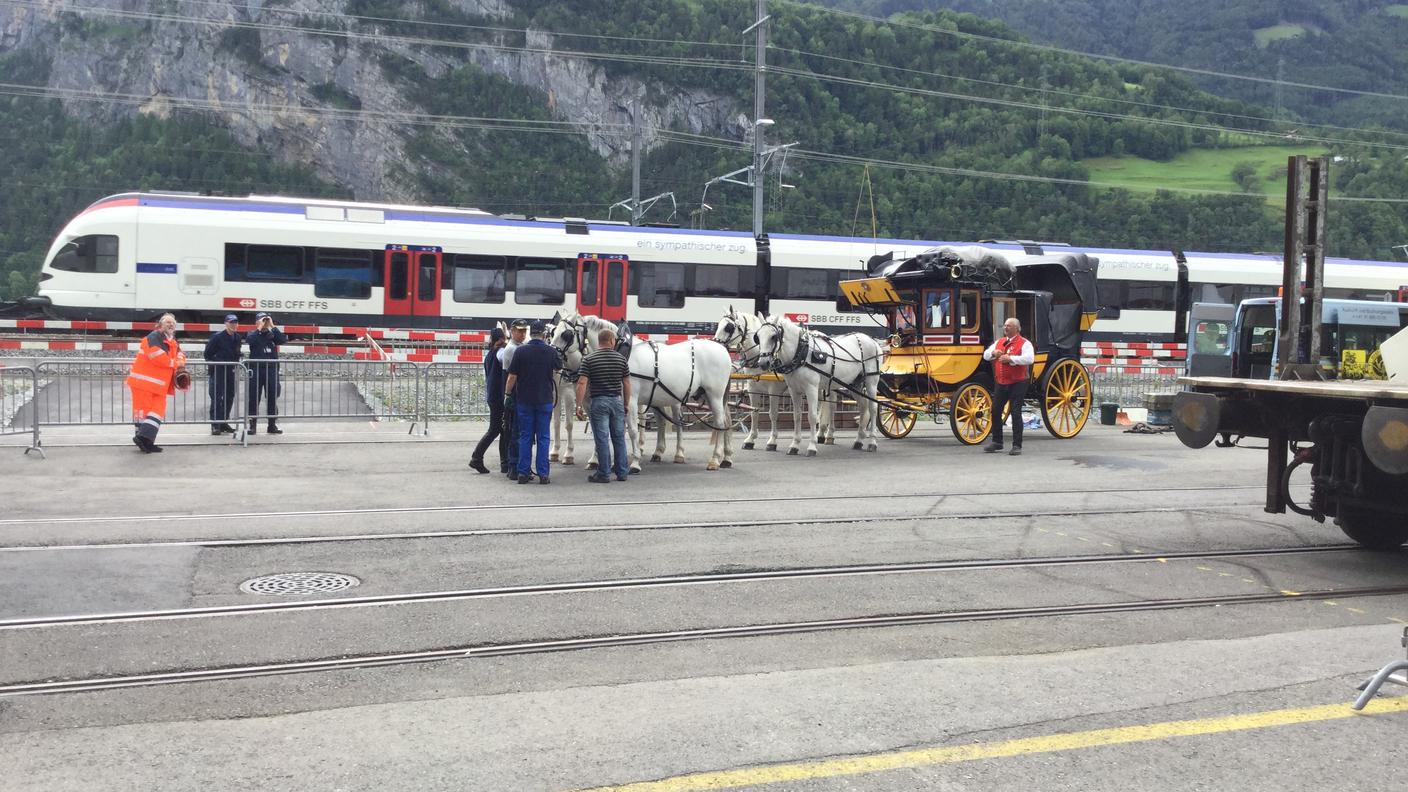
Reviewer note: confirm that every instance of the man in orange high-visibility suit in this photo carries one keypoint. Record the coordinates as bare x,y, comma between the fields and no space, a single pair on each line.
156,371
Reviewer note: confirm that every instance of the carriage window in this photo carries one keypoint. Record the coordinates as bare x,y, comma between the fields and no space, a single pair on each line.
94,254
661,285
342,274
938,310
717,280
268,262
903,319
540,282
479,279
968,311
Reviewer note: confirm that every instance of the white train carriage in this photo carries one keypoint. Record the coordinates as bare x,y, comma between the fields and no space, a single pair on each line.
130,256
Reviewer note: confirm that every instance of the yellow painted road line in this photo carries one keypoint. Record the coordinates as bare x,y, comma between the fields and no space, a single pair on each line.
928,757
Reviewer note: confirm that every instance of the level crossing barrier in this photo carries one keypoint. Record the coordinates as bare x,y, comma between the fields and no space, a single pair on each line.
1128,385
18,385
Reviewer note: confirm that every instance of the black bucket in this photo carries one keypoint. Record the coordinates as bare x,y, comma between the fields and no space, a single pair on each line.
1108,413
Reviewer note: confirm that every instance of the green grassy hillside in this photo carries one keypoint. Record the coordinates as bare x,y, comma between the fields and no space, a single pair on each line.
1259,169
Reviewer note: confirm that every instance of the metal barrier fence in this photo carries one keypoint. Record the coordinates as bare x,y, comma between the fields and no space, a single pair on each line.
18,385
453,391
370,390
1126,385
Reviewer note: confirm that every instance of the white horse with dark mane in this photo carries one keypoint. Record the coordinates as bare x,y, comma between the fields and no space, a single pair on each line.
564,407
665,378
814,365
736,332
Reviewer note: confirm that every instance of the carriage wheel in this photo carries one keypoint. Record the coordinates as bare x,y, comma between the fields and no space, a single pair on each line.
1065,401
970,417
896,421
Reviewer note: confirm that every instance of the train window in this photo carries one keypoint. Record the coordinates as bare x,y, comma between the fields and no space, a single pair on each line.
1248,292
587,290
479,279
1149,296
540,281
342,274
718,280
428,276
661,285
398,276
798,283
1224,293
94,253
615,271
271,262
1110,295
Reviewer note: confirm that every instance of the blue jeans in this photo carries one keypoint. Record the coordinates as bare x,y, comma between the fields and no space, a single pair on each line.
609,424
534,428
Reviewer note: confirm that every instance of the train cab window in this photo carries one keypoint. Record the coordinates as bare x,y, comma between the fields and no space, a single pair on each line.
273,262
662,285
938,310
94,253
342,274
540,281
968,312
479,279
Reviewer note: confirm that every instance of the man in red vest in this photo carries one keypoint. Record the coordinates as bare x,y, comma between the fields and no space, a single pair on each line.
157,371
1012,358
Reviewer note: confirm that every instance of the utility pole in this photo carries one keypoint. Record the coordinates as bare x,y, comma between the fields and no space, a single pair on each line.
760,29
635,163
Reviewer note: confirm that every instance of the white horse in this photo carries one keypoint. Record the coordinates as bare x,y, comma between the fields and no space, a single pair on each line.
564,407
813,364
664,378
736,332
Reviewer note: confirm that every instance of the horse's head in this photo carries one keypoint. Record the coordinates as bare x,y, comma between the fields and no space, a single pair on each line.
734,330
569,337
768,341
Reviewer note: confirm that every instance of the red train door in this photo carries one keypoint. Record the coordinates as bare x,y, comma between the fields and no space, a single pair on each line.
411,280
601,285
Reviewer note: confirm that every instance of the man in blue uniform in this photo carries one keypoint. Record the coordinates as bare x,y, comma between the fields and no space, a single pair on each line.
532,382
517,336
264,341
223,349
494,395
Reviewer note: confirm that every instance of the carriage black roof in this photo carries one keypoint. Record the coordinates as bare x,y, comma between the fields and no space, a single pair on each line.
1069,277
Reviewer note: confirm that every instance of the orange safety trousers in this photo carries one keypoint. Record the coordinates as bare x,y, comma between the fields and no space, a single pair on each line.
148,411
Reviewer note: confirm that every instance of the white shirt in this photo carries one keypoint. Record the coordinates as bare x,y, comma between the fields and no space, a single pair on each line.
506,354
1025,358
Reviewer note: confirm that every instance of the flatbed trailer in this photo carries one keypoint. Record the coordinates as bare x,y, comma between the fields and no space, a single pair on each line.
1352,433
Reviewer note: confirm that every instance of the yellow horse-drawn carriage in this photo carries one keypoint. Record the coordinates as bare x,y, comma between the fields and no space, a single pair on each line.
945,306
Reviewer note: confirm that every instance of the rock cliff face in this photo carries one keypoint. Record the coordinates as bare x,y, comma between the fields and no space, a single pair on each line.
267,72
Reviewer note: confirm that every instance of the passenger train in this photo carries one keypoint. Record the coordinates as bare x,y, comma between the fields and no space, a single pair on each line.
311,261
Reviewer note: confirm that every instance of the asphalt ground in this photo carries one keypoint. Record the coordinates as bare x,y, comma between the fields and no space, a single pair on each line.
105,551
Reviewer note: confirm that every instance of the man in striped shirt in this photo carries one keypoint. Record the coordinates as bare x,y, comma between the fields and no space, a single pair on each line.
608,375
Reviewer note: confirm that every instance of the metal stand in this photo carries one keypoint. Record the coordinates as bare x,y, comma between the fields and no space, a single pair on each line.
1386,674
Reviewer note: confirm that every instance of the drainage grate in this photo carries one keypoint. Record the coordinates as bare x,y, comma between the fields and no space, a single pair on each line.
299,583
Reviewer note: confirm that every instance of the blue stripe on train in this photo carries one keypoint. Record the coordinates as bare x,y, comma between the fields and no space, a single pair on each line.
156,269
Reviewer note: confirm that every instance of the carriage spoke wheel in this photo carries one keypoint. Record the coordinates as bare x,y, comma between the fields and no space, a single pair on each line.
1065,402
971,414
895,420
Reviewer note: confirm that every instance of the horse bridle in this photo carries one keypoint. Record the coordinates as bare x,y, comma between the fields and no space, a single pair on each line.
737,336
576,334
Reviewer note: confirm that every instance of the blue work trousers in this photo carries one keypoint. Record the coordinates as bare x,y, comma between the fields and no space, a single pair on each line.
534,429
609,431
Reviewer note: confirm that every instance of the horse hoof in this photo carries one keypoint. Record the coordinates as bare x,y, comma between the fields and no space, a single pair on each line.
567,460
749,447
552,457
791,452
656,458
680,460
857,445
726,463
772,446
873,448
811,452
712,466
831,441
635,468
591,466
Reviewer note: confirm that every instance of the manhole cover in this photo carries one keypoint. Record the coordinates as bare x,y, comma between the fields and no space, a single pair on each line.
299,583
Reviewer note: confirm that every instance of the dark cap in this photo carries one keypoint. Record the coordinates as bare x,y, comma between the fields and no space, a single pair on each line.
497,334
520,324
260,315
537,327
231,318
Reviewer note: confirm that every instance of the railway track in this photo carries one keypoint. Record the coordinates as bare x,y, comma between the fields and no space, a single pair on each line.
752,576
470,652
